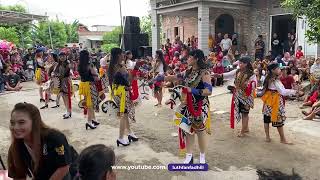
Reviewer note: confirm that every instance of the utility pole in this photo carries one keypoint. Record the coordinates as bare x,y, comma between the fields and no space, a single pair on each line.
49,27
121,42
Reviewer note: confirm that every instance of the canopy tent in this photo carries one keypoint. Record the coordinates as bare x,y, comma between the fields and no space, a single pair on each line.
12,17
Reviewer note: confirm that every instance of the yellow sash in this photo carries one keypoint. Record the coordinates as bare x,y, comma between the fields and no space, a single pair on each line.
272,99
84,89
120,91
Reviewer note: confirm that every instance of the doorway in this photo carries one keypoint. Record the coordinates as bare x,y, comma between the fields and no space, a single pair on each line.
282,25
176,32
224,24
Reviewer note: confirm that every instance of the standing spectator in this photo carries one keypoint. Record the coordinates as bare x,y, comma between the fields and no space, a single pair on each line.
2,78
275,45
292,44
211,42
259,48
234,43
226,43
219,38
218,69
28,59
13,81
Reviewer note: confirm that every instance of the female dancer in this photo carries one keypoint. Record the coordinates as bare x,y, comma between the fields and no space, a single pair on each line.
37,151
40,74
243,93
50,64
159,68
87,88
273,102
195,108
62,70
119,80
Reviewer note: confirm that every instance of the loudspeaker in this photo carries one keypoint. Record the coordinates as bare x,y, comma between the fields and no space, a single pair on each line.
134,41
131,25
145,51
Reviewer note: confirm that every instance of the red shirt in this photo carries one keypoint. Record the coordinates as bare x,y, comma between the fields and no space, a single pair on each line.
218,70
287,81
167,59
299,54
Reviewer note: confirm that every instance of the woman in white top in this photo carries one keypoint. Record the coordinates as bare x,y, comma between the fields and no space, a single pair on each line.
159,68
130,64
273,102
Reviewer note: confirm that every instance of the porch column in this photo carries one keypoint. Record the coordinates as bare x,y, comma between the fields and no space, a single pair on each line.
203,28
318,50
155,23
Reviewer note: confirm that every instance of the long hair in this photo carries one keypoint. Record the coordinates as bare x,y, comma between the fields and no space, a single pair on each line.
161,58
199,55
95,161
269,78
114,60
39,130
83,62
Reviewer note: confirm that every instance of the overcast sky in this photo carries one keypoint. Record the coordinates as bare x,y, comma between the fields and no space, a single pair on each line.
89,12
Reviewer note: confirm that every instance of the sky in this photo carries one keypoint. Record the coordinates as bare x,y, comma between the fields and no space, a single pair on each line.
89,12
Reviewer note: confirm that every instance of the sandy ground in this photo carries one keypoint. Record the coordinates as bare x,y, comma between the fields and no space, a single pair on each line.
229,157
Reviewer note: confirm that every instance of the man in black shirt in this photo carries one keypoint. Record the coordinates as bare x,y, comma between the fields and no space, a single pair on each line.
13,81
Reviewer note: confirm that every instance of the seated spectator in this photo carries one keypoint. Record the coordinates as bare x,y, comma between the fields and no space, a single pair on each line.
299,53
13,81
315,71
176,59
311,98
287,80
29,73
303,69
286,58
315,111
36,151
95,163
237,55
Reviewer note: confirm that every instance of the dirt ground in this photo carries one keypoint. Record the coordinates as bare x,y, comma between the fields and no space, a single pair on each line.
229,157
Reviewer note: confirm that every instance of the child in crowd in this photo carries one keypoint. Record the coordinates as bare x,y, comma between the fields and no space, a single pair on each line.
299,53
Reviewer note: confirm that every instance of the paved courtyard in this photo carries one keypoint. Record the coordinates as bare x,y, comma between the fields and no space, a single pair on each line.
228,156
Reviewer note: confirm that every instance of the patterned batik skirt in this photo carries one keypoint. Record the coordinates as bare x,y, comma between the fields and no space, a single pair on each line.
274,108
124,103
190,123
41,76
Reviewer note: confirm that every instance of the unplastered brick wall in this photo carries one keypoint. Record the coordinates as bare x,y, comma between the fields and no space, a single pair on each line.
187,27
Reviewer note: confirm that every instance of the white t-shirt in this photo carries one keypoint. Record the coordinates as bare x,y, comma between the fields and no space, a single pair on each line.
130,64
160,69
226,44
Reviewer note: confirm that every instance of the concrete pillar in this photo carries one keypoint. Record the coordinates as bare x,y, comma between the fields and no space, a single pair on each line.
317,51
203,28
155,23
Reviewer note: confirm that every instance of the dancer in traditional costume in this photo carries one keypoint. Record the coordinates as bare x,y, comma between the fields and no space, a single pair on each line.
50,65
159,68
41,75
89,89
120,82
192,115
62,71
243,94
274,102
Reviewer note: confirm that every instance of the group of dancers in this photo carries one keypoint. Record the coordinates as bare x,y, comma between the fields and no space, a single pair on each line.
192,116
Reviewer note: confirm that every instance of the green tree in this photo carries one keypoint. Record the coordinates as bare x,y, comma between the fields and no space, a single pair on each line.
309,9
112,37
72,32
145,25
58,33
9,34
22,30
107,47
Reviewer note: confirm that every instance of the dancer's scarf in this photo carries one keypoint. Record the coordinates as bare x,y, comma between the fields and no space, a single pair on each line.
120,91
69,84
250,89
134,93
84,89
